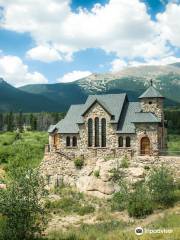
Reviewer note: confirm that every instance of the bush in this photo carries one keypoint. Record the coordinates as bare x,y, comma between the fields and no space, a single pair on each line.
21,206
117,174
79,163
96,173
119,200
162,187
125,162
86,210
139,202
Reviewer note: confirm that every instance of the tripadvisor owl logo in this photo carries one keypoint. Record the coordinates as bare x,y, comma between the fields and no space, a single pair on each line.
139,231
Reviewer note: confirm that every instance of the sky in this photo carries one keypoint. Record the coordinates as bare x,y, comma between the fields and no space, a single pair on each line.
48,41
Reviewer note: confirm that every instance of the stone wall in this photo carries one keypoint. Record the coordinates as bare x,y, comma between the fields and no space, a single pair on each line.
154,105
58,169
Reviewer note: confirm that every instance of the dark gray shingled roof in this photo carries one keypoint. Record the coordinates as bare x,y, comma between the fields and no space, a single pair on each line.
113,103
125,114
143,117
126,125
151,92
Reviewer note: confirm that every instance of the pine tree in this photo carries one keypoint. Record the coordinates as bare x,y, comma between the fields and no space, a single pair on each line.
20,121
10,122
1,121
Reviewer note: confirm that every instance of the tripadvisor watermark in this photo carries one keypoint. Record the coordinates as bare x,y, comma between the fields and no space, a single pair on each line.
140,231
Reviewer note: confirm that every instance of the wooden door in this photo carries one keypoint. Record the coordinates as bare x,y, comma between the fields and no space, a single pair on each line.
145,146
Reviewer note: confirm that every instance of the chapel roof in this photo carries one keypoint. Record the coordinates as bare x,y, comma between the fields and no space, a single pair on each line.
125,114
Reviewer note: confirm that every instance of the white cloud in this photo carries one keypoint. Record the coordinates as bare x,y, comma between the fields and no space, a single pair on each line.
169,23
118,64
15,72
44,54
73,76
122,27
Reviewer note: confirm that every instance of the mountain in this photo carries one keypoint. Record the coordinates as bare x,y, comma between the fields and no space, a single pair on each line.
13,99
59,96
132,80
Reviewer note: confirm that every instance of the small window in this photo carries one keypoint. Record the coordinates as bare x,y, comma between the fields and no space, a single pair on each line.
112,117
150,102
120,141
96,122
128,141
103,132
74,141
68,141
90,132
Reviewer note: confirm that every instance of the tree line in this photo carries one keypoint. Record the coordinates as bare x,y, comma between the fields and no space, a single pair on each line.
41,121
173,120
28,121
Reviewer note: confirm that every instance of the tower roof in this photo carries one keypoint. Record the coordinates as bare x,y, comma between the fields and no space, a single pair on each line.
151,92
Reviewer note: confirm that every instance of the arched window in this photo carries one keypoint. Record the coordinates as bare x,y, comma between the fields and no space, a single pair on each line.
90,132
120,141
103,132
128,141
68,141
74,141
96,132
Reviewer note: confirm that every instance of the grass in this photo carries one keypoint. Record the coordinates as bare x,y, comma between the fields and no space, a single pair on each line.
70,202
116,230
24,149
174,143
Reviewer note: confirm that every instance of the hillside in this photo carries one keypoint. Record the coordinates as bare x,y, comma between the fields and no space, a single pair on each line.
59,96
13,99
133,81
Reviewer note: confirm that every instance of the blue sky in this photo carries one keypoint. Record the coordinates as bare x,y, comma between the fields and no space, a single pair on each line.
64,40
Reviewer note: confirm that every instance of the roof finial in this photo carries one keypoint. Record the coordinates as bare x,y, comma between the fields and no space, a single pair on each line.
151,82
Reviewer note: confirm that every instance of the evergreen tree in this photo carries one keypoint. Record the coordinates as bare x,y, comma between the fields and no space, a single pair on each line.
10,122
20,121
33,122
1,121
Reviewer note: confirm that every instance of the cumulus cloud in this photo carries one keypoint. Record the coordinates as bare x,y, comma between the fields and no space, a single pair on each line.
119,64
15,72
121,27
169,23
44,54
73,76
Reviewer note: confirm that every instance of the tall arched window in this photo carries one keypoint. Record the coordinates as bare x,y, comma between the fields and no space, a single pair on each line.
68,141
90,132
128,141
74,141
103,132
96,132
120,141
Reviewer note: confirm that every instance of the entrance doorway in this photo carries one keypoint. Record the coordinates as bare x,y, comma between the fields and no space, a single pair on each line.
145,146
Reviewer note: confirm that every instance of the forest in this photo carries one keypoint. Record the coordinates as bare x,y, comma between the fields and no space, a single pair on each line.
40,121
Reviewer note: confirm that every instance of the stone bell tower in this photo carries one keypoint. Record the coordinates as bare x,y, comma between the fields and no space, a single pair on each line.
152,101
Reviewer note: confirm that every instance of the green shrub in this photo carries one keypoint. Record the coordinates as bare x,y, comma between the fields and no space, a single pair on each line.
116,174
125,162
86,210
5,153
139,202
96,173
119,200
162,187
79,163
21,206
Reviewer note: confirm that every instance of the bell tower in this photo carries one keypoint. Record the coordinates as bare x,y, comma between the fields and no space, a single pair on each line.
152,101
